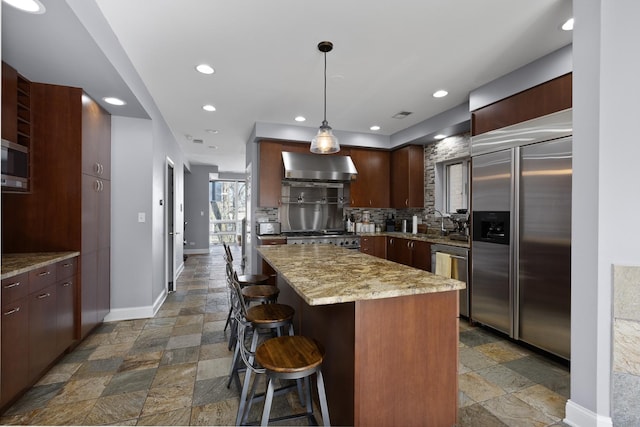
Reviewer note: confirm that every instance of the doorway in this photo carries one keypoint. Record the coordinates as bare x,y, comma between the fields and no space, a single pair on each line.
170,247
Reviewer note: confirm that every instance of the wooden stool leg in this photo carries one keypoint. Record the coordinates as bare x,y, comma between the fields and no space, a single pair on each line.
323,399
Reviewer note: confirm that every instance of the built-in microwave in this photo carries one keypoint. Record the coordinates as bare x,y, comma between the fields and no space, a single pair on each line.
15,166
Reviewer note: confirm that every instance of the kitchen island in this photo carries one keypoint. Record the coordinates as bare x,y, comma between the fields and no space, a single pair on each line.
390,333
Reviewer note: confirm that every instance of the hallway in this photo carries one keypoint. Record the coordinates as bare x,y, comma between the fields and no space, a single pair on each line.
172,370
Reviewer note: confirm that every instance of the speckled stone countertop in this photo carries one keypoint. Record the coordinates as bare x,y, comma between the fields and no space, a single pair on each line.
327,274
18,263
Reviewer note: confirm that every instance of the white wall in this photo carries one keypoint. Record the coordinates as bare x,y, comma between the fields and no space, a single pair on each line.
605,177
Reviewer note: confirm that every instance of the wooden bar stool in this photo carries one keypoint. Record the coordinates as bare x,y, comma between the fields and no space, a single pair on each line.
265,317
292,357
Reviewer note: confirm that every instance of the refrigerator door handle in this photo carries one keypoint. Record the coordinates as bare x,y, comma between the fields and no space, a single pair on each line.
515,245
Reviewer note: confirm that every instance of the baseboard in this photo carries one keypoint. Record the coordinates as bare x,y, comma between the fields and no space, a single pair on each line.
131,313
578,416
196,251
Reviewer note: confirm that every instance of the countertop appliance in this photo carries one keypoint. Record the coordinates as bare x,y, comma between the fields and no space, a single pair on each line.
521,231
268,228
458,269
15,166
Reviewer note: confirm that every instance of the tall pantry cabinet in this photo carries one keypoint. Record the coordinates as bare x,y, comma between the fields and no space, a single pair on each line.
68,206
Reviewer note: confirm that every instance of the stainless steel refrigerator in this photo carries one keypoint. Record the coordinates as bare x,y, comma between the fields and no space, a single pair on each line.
521,231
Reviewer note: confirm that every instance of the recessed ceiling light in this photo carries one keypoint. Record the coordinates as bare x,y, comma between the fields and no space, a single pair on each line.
440,136
113,101
213,131
568,25
375,127
300,119
205,69
208,107
31,6
440,93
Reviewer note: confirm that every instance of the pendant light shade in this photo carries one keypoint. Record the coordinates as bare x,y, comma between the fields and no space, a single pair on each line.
325,142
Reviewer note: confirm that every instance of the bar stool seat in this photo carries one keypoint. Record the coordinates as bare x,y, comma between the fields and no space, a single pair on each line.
292,357
260,293
252,279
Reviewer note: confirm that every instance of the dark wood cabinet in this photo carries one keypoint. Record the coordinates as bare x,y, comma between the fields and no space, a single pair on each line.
371,188
546,98
42,330
15,348
68,207
374,245
9,103
414,253
407,177
270,174
38,324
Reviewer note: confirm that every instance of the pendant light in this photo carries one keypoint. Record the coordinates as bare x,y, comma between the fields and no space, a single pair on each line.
325,142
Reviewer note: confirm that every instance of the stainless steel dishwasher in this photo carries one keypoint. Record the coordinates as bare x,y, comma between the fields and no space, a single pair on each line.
459,270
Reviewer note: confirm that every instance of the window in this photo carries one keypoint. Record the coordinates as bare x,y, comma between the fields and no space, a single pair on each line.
227,209
456,185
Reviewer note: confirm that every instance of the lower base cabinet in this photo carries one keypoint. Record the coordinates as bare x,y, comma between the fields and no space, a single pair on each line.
15,349
42,330
38,326
414,253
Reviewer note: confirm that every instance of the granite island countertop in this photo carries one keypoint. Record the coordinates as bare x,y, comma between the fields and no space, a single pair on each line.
18,263
328,274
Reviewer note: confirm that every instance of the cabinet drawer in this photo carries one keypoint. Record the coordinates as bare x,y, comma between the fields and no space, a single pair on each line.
66,268
14,288
42,277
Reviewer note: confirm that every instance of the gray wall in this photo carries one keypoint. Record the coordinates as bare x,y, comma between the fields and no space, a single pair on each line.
196,211
606,174
140,180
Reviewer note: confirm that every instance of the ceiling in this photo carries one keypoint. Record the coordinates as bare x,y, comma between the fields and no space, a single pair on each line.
388,57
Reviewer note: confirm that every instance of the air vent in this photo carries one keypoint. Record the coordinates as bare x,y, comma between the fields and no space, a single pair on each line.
197,141
401,114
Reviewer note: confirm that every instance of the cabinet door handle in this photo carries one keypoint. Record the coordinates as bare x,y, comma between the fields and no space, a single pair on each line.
96,168
42,296
406,202
101,168
10,312
66,284
96,186
67,265
12,285
44,273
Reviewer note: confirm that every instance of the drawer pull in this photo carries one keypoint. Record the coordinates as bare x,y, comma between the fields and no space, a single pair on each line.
10,312
64,285
44,273
68,264
12,285
41,296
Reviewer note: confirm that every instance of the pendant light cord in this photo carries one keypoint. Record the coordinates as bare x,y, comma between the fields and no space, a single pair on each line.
324,122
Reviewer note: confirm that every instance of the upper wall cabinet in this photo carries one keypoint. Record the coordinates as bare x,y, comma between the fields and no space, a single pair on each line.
371,188
546,98
407,177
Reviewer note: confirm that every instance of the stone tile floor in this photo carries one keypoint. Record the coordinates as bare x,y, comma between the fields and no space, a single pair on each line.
172,370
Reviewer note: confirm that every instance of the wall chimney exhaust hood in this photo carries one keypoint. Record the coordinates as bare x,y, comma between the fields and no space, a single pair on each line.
311,167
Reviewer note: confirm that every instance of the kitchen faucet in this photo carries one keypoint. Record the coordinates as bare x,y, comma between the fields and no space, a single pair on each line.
443,231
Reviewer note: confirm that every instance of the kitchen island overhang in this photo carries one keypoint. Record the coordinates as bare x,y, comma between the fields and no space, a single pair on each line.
390,332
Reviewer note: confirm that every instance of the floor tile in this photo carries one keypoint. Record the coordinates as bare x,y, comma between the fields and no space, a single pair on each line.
172,369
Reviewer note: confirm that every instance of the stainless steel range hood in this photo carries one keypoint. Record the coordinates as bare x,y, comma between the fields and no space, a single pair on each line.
315,167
